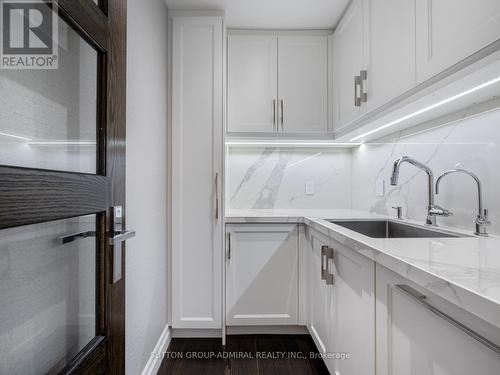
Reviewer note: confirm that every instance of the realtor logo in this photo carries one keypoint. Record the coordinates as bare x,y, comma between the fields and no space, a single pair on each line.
29,34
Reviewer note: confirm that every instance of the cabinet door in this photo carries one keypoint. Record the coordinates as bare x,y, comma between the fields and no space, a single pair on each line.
303,84
197,131
413,340
348,53
320,299
391,68
252,83
262,275
450,30
354,312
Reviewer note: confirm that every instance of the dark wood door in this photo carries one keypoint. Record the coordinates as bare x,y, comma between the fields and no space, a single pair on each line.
54,176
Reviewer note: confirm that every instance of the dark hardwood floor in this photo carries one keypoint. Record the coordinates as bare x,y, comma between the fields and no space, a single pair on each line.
243,355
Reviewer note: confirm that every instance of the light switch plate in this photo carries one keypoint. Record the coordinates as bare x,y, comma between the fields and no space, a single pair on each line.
380,187
310,188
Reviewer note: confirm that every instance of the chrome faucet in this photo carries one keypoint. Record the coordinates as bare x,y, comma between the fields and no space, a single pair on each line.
482,220
432,209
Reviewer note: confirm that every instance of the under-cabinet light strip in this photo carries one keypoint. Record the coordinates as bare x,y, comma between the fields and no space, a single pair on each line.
427,109
16,137
324,144
62,143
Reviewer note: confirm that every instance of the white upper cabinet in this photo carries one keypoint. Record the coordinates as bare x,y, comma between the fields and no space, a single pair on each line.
451,30
391,63
303,83
348,62
262,274
252,83
277,84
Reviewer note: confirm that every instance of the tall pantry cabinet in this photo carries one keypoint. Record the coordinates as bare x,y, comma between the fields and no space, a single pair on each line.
197,166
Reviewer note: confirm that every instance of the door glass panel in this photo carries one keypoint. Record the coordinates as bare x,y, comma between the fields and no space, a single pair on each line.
47,295
48,117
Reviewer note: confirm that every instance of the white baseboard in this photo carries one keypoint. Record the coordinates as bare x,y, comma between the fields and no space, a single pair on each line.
266,330
194,332
156,358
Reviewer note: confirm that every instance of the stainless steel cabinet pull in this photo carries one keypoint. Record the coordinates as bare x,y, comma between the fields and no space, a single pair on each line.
121,236
363,96
357,98
216,196
76,236
282,116
421,299
324,250
274,115
326,256
329,277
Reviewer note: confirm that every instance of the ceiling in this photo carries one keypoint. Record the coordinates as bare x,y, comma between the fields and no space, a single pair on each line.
271,14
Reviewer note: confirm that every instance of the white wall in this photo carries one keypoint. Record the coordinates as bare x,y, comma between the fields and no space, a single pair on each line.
146,261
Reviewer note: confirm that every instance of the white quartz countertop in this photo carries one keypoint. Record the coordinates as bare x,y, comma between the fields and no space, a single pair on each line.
465,270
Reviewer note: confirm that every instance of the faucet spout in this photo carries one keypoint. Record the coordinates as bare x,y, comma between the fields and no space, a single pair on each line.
431,214
482,214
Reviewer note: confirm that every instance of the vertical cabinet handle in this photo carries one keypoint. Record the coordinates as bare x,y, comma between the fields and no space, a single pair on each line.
327,254
363,96
274,115
282,116
357,98
329,277
324,250
216,196
229,246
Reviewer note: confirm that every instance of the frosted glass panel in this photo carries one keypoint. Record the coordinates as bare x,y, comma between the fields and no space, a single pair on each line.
47,296
48,117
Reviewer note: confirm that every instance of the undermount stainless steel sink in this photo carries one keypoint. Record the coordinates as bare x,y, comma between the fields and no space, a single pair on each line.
391,229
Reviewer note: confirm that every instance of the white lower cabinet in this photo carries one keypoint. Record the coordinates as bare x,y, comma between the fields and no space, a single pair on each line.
342,308
262,274
319,297
354,311
412,339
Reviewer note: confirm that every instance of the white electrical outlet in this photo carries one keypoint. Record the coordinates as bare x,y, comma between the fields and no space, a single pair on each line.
380,187
310,188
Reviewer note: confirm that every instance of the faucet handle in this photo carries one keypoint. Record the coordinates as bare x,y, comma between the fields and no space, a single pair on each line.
483,218
439,211
399,212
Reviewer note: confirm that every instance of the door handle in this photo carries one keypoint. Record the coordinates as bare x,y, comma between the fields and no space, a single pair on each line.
363,96
229,246
76,236
121,236
357,98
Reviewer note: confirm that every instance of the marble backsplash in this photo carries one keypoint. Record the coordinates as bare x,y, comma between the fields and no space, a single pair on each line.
274,178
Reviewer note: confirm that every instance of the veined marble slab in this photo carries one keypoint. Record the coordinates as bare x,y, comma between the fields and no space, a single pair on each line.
465,271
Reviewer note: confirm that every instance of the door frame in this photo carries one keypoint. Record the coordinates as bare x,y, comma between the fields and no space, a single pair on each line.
30,196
